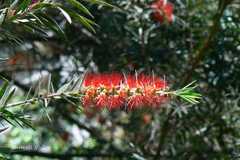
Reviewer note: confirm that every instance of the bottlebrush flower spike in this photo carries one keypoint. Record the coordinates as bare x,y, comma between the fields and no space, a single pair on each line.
115,90
110,91
162,11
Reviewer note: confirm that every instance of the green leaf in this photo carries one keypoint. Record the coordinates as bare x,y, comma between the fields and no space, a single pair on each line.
66,15
11,93
8,93
81,7
24,5
15,119
100,2
83,20
78,83
42,5
65,87
52,24
35,27
3,15
188,94
36,17
3,88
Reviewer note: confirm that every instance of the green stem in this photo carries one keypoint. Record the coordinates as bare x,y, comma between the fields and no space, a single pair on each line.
36,99
203,49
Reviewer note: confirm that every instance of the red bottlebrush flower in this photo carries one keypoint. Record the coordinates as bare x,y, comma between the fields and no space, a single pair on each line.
162,11
87,101
136,101
112,101
157,100
102,101
116,101
106,80
89,95
115,90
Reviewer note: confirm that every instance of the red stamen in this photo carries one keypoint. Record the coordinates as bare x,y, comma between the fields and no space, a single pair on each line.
115,91
162,11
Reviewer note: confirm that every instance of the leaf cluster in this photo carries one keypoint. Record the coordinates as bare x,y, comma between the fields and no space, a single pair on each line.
33,17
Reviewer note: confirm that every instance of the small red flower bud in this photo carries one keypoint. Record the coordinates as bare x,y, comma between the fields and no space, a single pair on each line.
162,11
147,118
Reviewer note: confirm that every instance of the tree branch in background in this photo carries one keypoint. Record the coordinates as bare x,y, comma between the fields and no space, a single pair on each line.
203,49
194,62
164,131
36,153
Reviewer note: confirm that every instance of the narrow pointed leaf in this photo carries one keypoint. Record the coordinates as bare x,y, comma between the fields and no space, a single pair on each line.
66,15
81,7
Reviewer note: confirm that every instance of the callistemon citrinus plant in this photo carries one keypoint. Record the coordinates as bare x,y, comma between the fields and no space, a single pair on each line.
107,90
116,90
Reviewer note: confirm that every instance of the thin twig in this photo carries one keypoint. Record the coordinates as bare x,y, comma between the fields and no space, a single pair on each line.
164,131
203,49
37,99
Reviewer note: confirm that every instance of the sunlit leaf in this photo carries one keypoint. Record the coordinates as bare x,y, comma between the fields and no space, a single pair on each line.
66,15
